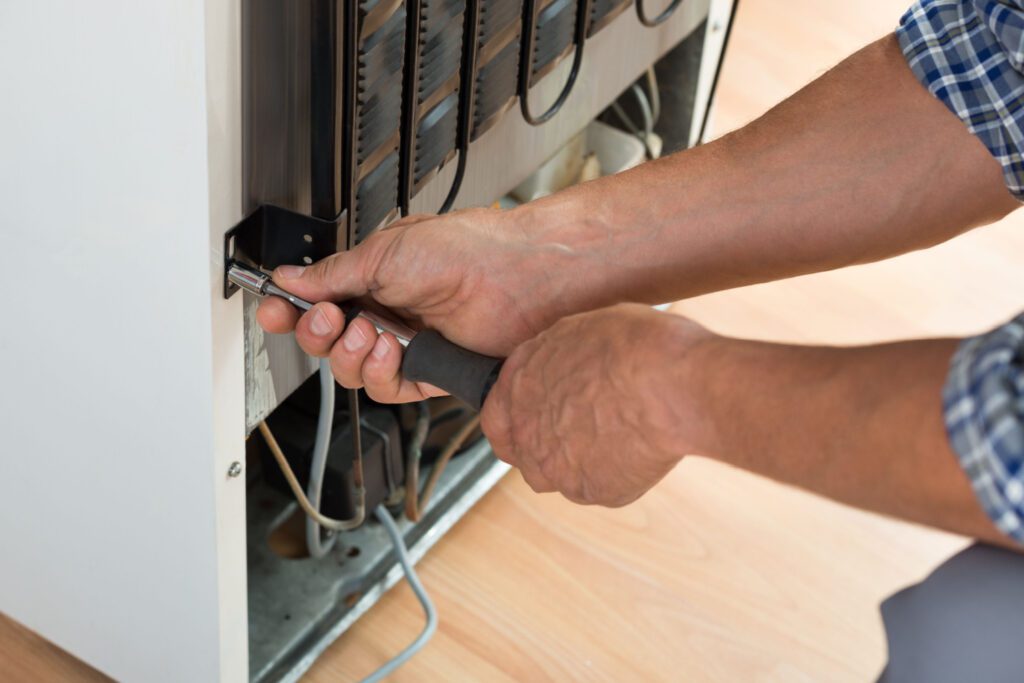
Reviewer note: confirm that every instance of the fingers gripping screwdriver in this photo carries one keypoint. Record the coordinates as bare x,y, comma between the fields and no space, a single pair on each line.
428,357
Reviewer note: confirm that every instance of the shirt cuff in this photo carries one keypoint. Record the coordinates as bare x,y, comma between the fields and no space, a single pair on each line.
983,405
967,54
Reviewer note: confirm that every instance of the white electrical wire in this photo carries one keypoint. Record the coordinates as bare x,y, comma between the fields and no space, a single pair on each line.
321,449
645,108
384,517
652,86
643,134
645,111
625,118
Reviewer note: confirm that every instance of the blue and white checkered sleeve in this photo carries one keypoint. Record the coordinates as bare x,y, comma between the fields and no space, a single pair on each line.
969,55
983,402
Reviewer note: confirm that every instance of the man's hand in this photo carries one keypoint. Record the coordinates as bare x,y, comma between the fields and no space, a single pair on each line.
477,276
602,405
591,407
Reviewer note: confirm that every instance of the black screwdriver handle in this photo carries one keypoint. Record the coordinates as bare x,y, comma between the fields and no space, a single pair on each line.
464,374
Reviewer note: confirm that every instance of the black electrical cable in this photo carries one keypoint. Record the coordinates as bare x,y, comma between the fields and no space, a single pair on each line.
526,61
641,13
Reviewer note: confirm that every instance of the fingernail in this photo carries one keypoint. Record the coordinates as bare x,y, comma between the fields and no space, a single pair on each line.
291,272
380,349
354,338
320,325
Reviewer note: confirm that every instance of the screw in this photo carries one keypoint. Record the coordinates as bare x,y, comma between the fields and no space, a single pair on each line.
234,469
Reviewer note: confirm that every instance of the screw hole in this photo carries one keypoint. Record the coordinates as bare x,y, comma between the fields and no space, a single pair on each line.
307,260
353,551
308,239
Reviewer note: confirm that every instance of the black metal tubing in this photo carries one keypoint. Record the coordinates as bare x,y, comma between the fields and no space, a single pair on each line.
529,31
412,76
467,99
350,165
467,94
641,13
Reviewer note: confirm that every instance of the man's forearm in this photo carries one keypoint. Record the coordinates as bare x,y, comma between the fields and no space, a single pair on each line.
860,165
861,425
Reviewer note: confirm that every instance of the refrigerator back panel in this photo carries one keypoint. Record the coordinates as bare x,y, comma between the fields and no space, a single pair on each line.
433,84
603,11
380,35
553,39
498,38
276,109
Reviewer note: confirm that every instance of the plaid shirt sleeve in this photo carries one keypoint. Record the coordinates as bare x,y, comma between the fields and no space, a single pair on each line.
970,55
983,403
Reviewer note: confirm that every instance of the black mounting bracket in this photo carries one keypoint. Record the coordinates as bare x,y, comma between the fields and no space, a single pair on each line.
271,236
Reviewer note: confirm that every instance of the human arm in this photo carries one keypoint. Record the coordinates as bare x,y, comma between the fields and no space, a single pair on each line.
767,202
602,405
860,165
901,429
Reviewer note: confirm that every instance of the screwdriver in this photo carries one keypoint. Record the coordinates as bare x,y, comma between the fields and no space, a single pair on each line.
428,357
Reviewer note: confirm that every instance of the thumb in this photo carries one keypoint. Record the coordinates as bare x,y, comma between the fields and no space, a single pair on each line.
338,277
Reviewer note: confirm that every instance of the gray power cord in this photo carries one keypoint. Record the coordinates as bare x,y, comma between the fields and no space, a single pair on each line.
643,134
645,109
652,87
321,449
384,517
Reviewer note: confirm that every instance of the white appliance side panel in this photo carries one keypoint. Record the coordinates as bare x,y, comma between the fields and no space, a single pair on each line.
224,140
107,503
719,14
